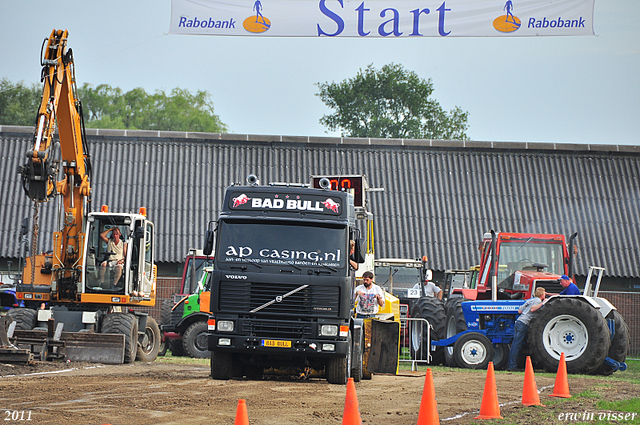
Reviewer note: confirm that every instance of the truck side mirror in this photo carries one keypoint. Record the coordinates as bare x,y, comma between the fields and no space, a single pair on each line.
139,234
429,275
208,243
358,252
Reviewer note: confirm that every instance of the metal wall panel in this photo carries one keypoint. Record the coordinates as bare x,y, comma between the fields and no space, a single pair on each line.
438,201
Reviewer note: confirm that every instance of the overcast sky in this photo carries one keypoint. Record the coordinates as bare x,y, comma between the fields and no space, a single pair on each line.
540,89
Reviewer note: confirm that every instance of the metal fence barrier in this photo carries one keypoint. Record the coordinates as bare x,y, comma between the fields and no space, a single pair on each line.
627,304
415,341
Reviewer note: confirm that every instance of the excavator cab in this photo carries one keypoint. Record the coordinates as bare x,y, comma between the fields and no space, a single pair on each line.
134,275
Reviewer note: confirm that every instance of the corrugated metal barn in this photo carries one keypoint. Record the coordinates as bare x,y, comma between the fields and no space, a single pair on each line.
439,196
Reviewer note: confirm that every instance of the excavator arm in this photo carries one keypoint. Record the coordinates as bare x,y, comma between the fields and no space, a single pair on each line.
60,110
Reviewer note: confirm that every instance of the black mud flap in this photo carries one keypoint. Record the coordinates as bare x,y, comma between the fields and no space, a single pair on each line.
385,346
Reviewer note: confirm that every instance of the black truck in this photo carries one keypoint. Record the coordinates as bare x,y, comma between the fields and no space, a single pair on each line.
281,288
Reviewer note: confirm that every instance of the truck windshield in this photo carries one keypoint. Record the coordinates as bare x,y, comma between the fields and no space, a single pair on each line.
521,255
274,243
403,277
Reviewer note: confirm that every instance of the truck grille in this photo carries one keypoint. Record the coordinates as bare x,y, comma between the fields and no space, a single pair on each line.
284,329
313,301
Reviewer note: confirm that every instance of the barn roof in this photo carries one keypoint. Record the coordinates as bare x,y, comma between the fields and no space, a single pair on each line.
439,196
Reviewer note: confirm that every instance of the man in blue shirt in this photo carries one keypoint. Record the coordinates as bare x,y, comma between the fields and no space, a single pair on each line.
570,288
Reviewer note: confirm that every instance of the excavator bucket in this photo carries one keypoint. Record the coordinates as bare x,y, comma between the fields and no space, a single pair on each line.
382,337
74,346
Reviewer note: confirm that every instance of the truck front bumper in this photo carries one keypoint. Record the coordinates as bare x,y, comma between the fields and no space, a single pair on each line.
277,346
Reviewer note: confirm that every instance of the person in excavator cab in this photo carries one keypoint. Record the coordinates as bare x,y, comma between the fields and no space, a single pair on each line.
118,251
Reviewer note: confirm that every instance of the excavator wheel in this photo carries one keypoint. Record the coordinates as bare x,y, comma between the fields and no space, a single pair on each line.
127,325
25,318
149,342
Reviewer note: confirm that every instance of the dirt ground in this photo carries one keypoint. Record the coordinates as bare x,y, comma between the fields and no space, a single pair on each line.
167,393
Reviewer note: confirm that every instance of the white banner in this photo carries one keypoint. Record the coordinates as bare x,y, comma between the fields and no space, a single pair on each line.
383,18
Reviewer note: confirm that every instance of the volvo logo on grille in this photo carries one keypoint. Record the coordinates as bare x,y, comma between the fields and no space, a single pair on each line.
279,299
235,276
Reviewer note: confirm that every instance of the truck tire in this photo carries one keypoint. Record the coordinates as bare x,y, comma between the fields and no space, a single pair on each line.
455,324
125,324
338,369
357,368
194,340
432,310
175,346
162,350
573,327
473,351
149,342
25,318
619,344
222,365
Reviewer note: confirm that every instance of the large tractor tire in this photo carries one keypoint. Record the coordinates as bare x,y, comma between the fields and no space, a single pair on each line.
125,324
338,369
619,343
165,319
432,310
149,342
194,340
473,351
25,318
573,327
454,324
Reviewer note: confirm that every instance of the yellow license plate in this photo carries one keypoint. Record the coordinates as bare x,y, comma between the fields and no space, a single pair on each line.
276,343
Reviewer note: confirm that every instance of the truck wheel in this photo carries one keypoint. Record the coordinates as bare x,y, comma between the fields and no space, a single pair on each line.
573,327
221,365
194,340
619,344
149,342
473,351
175,345
338,369
356,361
125,324
454,325
25,318
432,310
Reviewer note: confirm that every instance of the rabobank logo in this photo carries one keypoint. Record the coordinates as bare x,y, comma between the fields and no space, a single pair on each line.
257,23
508,22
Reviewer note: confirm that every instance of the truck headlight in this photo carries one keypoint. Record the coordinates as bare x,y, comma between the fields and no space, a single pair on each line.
225,325
328,347
329,330
224,341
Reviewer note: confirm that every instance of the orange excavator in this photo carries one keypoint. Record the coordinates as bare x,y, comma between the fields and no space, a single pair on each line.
79,297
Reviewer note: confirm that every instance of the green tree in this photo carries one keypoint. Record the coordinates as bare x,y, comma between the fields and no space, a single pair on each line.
390,102
18,103
109,107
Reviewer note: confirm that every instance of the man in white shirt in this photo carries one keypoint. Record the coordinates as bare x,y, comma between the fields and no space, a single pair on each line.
431,290
369,297
116,245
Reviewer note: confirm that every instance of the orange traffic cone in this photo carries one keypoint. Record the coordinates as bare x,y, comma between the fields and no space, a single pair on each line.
351,415
561,387
428,414
530,395
490,409
242,418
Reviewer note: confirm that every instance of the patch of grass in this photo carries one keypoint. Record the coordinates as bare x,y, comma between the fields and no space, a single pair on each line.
630,405
168,358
